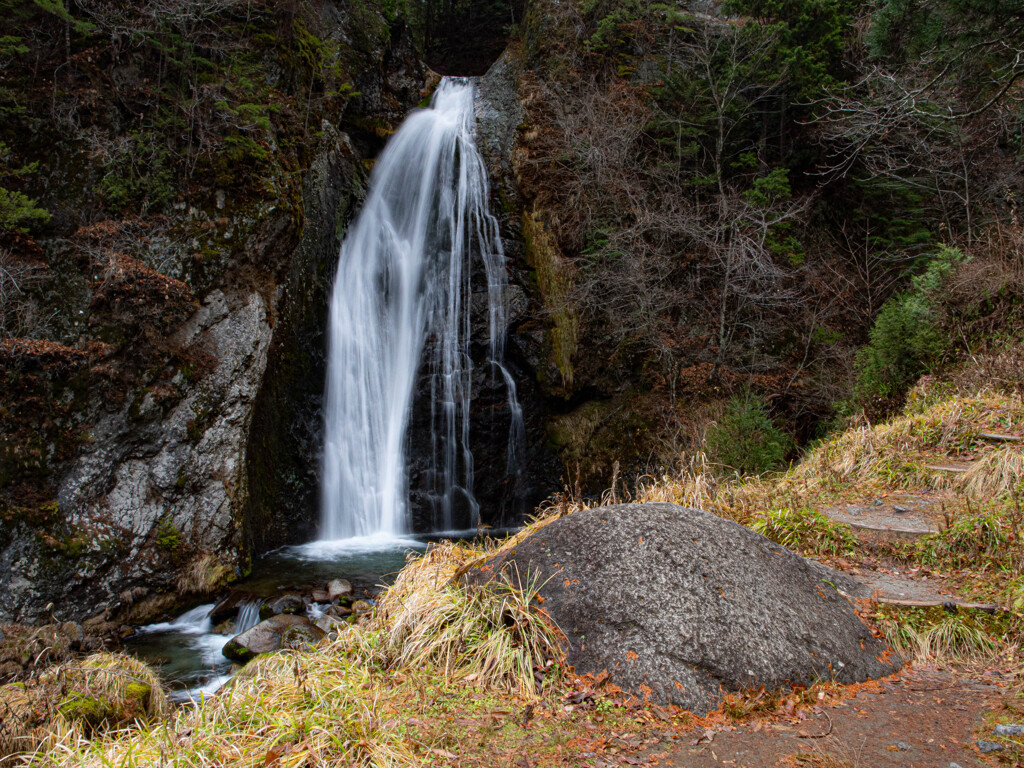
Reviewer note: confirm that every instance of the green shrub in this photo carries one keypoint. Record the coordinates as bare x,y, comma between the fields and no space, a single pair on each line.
805,530
168,537
908,337
745,439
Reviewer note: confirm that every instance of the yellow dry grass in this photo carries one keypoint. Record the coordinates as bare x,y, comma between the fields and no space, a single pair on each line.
289,709
329,705
998,473
488,631
907,451
103,692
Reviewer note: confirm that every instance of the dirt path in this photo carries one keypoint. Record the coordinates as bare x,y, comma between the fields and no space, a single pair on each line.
924,718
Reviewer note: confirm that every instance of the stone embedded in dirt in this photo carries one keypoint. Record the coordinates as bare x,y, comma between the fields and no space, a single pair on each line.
681,606
988,746
902,746
1008,729
338,588
265,637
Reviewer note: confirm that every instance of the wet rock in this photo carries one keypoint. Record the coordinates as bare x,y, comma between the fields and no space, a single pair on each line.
228,607
226,627
338,611
361,606
320,596
265,637
329,624
681,606
302,636
338,588
291,603
985,747
1008,729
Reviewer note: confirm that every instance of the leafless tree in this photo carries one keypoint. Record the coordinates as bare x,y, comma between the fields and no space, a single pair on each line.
18,307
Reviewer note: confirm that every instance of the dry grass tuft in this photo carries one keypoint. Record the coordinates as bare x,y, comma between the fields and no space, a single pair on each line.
21,720
106,690
289,709
73,702
490,632
899,453
696,485
951,639
1000,472
203,575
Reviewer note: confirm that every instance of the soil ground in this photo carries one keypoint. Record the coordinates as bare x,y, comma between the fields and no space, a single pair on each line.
925,717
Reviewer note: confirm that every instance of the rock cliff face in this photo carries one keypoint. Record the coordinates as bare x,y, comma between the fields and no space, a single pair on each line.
162,427
284,443
170,485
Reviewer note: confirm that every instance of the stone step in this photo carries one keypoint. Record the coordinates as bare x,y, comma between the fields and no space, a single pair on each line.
895,532
954,468
996,437
986,607
907,591
894,517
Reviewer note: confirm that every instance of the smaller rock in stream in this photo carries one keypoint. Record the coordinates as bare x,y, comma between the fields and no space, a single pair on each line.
361,606
338,588
287,604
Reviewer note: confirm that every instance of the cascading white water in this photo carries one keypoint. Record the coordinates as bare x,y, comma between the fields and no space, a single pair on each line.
403,277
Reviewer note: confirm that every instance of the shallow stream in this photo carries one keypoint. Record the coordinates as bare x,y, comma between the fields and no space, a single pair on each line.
188,650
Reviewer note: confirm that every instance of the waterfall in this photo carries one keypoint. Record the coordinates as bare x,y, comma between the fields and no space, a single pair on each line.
403,284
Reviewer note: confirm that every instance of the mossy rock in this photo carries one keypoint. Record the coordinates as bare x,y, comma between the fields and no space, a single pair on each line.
92,711
108,691
301,636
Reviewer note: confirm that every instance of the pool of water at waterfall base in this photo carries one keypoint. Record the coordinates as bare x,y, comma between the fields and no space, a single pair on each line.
187,651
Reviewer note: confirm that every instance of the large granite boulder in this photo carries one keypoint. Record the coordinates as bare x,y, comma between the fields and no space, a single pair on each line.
681,606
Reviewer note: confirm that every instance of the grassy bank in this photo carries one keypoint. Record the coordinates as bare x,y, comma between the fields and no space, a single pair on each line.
445,669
